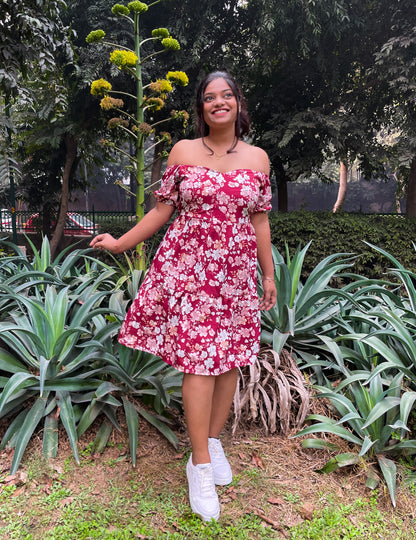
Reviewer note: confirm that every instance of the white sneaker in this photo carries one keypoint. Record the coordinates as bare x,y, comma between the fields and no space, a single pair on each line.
202,495
222,470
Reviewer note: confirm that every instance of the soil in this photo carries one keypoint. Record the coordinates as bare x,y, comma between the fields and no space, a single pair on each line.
287,474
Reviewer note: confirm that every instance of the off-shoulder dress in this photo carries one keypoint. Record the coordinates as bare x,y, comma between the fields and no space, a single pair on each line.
198,307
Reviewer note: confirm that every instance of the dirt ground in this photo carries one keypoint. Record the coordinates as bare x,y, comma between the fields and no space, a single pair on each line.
286,474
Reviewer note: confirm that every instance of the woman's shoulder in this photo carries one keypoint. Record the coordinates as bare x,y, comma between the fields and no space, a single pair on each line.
180,151
259,160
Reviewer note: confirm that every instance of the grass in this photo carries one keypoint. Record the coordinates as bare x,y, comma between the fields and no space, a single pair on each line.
105,498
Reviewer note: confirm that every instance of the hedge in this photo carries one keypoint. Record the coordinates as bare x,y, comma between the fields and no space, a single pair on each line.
346,233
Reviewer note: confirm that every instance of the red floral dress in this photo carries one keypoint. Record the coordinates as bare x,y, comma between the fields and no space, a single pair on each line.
198,307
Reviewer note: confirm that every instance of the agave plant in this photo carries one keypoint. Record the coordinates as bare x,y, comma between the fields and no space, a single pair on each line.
303,310
272,390
48,350
59,357
373,416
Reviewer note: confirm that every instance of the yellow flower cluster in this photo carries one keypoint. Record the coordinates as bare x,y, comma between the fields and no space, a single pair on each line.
123,59
144,128
95,36
160,33
178,77
161,86
171,44
138,7
154,103
115,122
181,115
165,136
108,103
120,10
100,87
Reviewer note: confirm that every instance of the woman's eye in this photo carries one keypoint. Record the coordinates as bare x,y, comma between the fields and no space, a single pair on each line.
229,95
207,98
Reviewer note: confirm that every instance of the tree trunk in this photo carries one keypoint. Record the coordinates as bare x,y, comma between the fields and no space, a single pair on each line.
342,190
281,179
282,196
71,154
411,191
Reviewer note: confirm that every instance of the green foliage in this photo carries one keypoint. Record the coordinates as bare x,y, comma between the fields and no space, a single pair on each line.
59,355
361,348
303,309
345,233
146,99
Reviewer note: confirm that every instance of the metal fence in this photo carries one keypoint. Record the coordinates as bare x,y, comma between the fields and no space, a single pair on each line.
78,222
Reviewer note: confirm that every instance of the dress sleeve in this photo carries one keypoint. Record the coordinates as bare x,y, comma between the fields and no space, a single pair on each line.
263,203
168,192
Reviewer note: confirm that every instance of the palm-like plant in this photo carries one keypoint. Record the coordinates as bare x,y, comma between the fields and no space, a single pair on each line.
374,417
303,310
59,357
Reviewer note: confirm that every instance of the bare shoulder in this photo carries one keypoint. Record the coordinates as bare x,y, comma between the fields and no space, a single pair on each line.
181,151
259,160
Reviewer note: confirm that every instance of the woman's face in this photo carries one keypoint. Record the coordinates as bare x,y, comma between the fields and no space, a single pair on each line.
219,104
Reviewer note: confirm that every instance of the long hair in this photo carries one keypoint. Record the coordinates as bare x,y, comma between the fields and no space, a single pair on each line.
242,123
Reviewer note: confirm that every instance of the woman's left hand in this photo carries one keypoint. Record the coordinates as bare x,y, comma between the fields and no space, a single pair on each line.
268,300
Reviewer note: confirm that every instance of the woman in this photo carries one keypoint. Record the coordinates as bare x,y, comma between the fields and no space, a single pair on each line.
198,307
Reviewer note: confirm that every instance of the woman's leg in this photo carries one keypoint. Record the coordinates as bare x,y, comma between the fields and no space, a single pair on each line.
222,400
197,395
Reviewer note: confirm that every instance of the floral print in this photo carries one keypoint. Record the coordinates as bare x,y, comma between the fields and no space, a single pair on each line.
198,307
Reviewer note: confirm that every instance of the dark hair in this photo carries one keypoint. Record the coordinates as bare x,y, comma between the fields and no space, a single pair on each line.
242,123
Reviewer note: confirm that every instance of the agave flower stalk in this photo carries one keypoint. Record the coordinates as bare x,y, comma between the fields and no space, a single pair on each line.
131,61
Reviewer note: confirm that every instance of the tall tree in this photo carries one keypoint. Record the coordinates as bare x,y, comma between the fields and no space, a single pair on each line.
313,98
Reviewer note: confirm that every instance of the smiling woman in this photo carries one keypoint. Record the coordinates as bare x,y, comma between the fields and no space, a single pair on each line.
198,307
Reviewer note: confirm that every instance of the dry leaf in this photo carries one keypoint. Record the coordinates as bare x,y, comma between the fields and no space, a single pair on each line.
274,500
257,461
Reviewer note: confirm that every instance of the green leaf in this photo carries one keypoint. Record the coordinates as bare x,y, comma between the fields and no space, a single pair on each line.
102,437
132,420
16,383
388,468
327,427
342,460
31,420
373,478
50,436
13,428
319,444
10,363
367,444
68,420
381,408
159,425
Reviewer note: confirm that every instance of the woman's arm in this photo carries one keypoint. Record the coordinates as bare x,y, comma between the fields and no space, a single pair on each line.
147,226
260,222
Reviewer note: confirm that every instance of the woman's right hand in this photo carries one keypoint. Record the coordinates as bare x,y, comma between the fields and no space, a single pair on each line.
105,241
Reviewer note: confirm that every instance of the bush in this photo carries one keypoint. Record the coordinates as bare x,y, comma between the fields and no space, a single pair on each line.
346,233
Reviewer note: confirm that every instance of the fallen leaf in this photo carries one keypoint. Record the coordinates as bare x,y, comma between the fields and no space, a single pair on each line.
19,491
257,461
273,500
241,456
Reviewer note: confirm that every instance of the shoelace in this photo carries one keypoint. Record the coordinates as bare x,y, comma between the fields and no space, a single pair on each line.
206,481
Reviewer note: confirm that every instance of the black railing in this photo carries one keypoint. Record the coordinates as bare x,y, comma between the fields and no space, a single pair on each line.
78,222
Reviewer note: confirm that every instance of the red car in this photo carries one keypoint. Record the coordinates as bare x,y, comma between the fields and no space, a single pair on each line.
75,225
